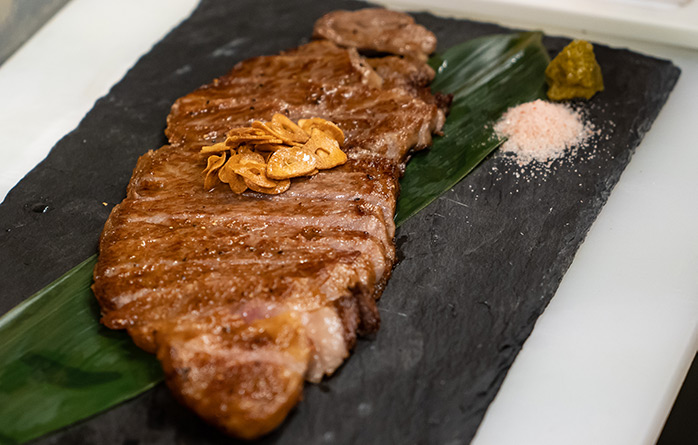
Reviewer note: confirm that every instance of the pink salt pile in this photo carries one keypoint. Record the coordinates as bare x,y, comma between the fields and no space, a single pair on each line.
541,131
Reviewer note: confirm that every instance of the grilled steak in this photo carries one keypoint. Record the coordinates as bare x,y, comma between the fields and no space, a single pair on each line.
243,297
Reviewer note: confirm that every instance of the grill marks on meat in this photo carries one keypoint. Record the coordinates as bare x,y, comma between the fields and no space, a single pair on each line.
316,78
243,297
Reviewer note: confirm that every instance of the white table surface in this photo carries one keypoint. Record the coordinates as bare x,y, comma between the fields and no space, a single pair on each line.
628,305
668,21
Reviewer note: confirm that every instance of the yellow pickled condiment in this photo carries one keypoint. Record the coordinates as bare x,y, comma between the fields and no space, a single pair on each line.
574,73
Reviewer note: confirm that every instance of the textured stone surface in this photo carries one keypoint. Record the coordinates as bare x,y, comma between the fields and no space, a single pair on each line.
478,266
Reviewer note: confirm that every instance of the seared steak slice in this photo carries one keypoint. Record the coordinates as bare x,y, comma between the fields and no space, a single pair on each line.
378,30
243,297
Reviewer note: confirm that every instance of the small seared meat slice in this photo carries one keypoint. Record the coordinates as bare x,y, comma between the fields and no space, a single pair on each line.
377,29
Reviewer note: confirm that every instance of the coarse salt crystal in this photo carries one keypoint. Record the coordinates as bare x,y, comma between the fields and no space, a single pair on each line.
541,131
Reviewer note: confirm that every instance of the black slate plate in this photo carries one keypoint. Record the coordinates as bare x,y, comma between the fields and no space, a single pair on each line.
478,266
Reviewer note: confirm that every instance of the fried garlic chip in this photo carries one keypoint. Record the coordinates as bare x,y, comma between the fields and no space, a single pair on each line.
253,169
326,150
291,162
210,177
220,147
326,126
281,187
236,182
266,155
284,129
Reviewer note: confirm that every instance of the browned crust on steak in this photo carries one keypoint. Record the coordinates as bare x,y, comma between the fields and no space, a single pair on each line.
243,297
377,29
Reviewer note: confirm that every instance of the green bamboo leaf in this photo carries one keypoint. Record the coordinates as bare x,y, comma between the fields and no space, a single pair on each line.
486,76
58,365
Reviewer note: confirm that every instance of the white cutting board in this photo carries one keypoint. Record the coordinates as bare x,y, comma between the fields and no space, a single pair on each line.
674,22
